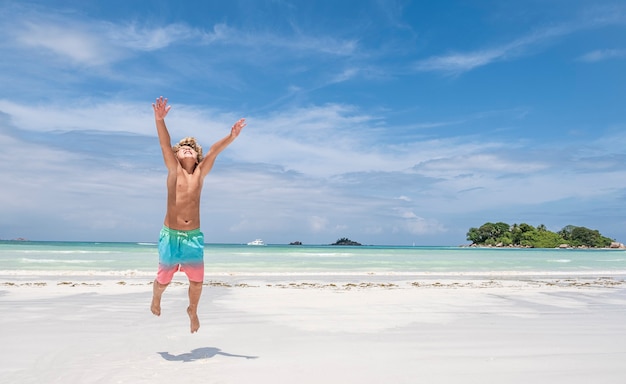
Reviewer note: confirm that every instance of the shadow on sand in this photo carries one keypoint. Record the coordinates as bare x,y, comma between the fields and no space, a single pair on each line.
199,354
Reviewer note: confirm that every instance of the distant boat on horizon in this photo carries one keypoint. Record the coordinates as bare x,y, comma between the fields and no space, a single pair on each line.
257,242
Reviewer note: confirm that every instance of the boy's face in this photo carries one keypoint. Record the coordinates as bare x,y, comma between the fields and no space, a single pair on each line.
186,151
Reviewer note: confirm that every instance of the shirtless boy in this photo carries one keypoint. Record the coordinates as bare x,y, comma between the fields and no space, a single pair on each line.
181,243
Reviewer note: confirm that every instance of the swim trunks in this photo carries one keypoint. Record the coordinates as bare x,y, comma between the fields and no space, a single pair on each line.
180,251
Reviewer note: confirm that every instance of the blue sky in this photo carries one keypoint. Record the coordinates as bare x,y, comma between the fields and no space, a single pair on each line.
388,122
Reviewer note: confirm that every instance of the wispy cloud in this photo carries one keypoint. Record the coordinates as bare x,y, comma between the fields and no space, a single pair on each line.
91,42
149,39
292,41
603,54
416,225
73,42
98,42
456,63
79,116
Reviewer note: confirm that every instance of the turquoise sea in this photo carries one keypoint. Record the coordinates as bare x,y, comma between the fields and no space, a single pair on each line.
28,258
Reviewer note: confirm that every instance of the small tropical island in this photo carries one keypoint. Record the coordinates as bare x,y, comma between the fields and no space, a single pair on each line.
345,241
526,236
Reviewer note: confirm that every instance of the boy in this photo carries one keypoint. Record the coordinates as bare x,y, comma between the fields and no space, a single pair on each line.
181,243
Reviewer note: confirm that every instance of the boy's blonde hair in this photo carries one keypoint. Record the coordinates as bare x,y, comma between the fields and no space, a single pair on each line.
190,141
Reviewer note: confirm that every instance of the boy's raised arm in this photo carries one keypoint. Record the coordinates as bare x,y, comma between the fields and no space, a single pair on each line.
207,163
160,111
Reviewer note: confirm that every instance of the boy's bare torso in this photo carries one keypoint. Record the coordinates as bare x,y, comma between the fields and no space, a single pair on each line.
183,199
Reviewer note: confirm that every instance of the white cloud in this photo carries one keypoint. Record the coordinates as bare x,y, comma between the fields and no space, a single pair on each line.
416,225
478,163
292,41
73,42
602,54
148,39
63,195
318,224
453,177
93,42
458,62
82,115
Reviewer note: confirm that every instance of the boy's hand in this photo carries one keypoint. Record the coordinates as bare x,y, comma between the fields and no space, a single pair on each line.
237,127
160,108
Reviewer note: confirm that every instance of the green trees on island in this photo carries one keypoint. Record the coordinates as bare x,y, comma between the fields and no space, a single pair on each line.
525,235
345,241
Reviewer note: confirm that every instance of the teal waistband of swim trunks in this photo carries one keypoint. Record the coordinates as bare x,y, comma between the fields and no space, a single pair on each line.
180,232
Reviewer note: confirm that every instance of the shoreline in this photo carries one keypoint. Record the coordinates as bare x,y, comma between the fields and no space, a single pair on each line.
134,274
336,281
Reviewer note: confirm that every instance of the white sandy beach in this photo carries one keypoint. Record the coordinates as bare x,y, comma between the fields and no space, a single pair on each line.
308,330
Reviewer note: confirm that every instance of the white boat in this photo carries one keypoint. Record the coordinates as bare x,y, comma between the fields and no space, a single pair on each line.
256,242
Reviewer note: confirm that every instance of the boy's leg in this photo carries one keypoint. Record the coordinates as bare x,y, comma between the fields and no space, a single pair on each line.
167,267
157,292
195,290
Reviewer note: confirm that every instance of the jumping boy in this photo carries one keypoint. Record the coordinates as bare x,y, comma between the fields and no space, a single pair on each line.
181,243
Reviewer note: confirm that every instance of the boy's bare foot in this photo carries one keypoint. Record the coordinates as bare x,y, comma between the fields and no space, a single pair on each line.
157,292
194,321
155,307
